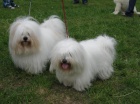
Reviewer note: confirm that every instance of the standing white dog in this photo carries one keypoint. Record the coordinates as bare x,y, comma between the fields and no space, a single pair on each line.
121,6
77,64
30,43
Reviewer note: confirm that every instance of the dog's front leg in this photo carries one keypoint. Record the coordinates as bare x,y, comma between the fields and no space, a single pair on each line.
117,8
51,69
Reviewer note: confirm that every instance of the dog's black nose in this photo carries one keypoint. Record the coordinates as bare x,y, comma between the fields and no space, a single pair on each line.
64,61
25,38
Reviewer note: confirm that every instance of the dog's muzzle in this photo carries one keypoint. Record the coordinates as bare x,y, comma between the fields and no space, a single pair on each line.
26,42
25,39
65,65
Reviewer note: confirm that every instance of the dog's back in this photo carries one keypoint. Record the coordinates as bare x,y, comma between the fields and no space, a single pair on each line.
101,42
100,53
55,24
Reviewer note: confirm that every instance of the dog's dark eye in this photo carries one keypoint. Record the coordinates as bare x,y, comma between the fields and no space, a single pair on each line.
28,34
70,54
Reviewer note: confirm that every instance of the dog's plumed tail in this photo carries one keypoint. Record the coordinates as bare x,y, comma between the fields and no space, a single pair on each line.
108,43
56,24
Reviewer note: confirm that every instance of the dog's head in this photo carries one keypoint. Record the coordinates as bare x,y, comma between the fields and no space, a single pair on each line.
67,57
24,36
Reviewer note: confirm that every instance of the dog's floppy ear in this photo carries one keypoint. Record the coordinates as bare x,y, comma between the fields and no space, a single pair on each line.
51,69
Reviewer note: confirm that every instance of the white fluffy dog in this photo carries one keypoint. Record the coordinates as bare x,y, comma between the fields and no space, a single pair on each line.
121,6
77,64
30,43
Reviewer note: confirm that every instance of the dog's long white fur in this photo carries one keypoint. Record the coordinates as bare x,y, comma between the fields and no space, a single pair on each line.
41,39
121,6
89,59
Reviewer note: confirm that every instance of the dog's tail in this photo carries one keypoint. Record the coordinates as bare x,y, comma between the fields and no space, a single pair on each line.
108,43
56,24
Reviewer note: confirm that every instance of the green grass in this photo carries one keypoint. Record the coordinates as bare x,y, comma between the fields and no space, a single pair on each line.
84,22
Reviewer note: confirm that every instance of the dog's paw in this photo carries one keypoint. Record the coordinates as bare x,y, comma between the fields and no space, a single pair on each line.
115,12
66,83
81,87
51,69
123,13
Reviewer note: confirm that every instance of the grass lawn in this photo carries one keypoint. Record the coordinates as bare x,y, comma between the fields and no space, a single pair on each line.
84,22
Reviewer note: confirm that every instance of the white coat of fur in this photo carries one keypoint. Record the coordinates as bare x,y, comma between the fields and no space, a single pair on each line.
121,6
89,59
34,56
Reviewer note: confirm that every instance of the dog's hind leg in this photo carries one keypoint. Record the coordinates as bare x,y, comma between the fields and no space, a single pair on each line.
105,73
